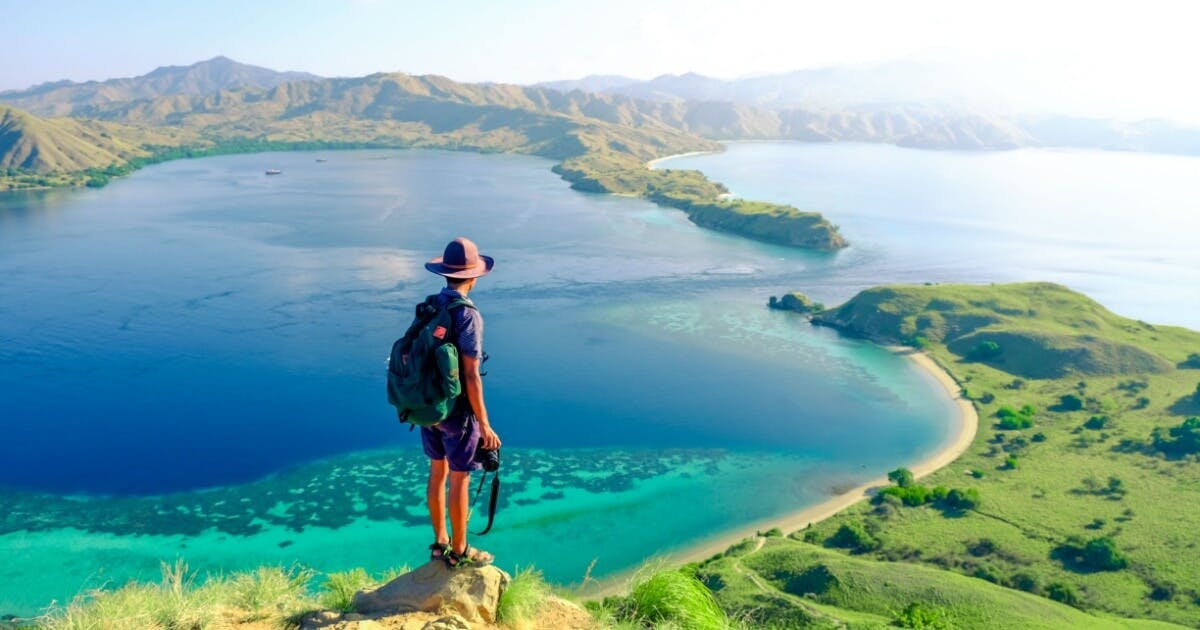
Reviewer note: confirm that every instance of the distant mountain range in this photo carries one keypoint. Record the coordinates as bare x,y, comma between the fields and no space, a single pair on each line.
222,101
908,103
68,98
903,81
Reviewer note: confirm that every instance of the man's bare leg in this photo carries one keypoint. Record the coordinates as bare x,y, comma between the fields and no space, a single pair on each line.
435,496
460,499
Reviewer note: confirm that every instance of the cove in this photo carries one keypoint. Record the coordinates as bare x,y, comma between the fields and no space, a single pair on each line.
193,360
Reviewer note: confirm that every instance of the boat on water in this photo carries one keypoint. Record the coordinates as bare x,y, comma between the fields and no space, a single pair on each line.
322,160
274,171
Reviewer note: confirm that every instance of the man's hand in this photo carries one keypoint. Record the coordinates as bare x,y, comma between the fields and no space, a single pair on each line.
491,441
473,388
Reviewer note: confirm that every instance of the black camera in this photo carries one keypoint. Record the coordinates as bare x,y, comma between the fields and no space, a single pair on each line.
490,460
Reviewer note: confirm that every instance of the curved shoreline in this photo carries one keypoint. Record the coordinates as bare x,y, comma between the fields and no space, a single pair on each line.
965,429
651,163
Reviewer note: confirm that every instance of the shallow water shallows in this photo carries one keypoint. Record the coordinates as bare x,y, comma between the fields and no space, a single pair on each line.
192,367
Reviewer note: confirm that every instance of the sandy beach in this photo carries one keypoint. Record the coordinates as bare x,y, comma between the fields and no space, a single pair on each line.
959,441
651,163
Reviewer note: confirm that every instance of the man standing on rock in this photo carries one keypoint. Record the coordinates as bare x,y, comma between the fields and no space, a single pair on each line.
452,444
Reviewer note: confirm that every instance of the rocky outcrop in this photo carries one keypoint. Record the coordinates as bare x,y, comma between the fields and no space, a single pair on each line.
472,593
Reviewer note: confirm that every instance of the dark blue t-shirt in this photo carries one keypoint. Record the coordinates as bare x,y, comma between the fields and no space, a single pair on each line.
467,334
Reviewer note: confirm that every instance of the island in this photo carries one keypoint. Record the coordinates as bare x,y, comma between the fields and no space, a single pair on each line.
1071,507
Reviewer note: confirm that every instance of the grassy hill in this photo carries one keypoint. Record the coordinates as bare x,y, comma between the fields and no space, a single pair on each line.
784,583
1086,466
38,152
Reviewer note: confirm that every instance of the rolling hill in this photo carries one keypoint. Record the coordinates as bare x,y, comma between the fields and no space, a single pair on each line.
68,98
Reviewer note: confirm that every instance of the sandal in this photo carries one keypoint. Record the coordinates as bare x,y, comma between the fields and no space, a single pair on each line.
437,551
470,557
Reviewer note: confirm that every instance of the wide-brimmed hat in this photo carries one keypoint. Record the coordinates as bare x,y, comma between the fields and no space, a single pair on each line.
461,259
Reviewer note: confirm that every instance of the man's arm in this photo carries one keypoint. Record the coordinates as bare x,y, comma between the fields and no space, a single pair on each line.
473,386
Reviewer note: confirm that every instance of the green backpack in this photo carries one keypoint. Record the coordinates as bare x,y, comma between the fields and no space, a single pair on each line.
422,375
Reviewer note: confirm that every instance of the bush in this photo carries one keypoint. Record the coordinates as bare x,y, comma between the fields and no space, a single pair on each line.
1101,554
1014,419
1061,592
1011,463
853,536
1025,581
1070,402
918,615
1096,554
902,477
672,597
520,602
1193,361
1096,423
1180,440
958,499
984,350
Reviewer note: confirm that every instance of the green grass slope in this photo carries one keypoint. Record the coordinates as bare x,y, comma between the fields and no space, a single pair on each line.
791,584
1085,465
45,152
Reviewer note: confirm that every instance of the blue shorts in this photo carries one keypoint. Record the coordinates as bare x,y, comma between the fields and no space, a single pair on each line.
454,440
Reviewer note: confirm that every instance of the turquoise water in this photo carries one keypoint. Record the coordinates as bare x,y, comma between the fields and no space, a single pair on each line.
1120,227
192,365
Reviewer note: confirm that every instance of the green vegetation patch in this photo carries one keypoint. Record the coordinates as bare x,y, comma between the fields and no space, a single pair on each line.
824,588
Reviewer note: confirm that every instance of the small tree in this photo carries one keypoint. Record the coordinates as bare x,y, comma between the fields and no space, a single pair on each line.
984,350
902,477
1070,402
1181,440
1101,554
853,536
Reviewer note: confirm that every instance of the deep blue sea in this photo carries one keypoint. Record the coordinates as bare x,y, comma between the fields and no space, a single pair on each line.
191,359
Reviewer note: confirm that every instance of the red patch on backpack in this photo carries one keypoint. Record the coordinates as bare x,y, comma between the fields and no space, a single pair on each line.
439,332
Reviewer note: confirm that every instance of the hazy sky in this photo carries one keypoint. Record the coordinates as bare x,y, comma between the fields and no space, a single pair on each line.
1134,58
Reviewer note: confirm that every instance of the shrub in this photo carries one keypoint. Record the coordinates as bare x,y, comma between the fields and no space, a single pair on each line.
1163,592
1011,463
520,602
672,597
902,477
1096,423
1193,361
1039,437
1025,581
1061,592
339,588
853,536
984,350
958,499
1101,554
268,591
1180,440
1070,402
1196,395
1014,419
1096,554
918,615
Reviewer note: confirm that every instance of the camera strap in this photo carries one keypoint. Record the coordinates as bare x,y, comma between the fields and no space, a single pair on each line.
491,502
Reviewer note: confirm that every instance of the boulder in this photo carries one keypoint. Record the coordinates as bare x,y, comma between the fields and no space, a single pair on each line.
471,592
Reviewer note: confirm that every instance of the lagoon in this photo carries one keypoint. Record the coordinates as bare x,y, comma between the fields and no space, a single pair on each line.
193,360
